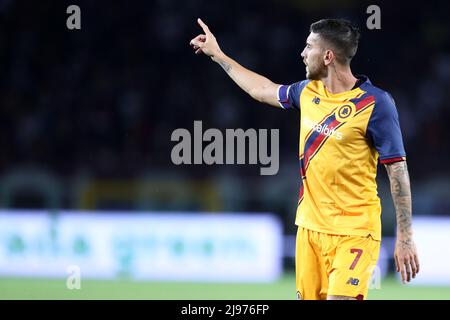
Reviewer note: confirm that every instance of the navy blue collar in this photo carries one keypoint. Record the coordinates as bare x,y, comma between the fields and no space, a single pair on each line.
361,80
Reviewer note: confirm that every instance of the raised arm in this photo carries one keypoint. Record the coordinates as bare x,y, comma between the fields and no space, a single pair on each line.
406,259
257,86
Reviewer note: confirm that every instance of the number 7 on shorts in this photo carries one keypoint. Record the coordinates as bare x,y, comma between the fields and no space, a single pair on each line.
358,255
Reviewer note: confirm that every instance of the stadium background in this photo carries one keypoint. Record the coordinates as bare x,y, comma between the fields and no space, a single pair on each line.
86,118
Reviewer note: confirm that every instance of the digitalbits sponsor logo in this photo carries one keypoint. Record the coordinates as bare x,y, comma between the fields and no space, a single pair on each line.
322,129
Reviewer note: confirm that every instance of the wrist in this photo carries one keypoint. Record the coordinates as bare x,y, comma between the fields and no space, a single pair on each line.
218,56
404,235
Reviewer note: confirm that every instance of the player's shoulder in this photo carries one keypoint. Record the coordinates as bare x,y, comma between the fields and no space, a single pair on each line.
297,87
301,83
381,96
384,103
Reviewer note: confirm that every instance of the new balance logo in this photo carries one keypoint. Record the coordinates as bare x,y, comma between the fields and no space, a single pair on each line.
316,100
353,281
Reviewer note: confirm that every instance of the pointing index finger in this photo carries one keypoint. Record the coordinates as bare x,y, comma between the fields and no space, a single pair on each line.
203,25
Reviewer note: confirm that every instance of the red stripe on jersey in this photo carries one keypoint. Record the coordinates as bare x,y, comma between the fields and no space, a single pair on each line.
300,194
364,102
392,160
316,144
321,138
319,123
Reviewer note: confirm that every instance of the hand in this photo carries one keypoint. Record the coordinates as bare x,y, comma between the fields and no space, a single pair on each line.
406,259
205,43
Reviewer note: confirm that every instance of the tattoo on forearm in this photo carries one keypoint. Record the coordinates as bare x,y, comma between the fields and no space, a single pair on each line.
401,195
225,66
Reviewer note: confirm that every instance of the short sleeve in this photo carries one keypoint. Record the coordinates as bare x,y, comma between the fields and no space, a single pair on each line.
384,130
289,95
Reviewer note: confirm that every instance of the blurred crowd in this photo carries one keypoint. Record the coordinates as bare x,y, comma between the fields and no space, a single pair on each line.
105,99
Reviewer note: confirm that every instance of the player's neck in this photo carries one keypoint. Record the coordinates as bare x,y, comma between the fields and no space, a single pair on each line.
339,79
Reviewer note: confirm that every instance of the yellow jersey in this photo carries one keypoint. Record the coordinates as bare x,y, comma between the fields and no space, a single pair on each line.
342,138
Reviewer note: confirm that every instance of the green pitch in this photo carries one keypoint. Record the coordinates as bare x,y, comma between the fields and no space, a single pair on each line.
280,290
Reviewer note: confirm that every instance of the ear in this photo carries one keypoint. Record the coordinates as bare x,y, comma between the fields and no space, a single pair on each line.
328,57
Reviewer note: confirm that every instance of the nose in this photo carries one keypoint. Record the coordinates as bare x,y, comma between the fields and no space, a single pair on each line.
303,55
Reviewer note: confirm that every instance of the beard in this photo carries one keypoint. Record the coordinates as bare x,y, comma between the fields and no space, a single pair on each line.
315,71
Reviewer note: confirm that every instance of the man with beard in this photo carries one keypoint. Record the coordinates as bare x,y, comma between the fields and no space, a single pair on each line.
347,126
